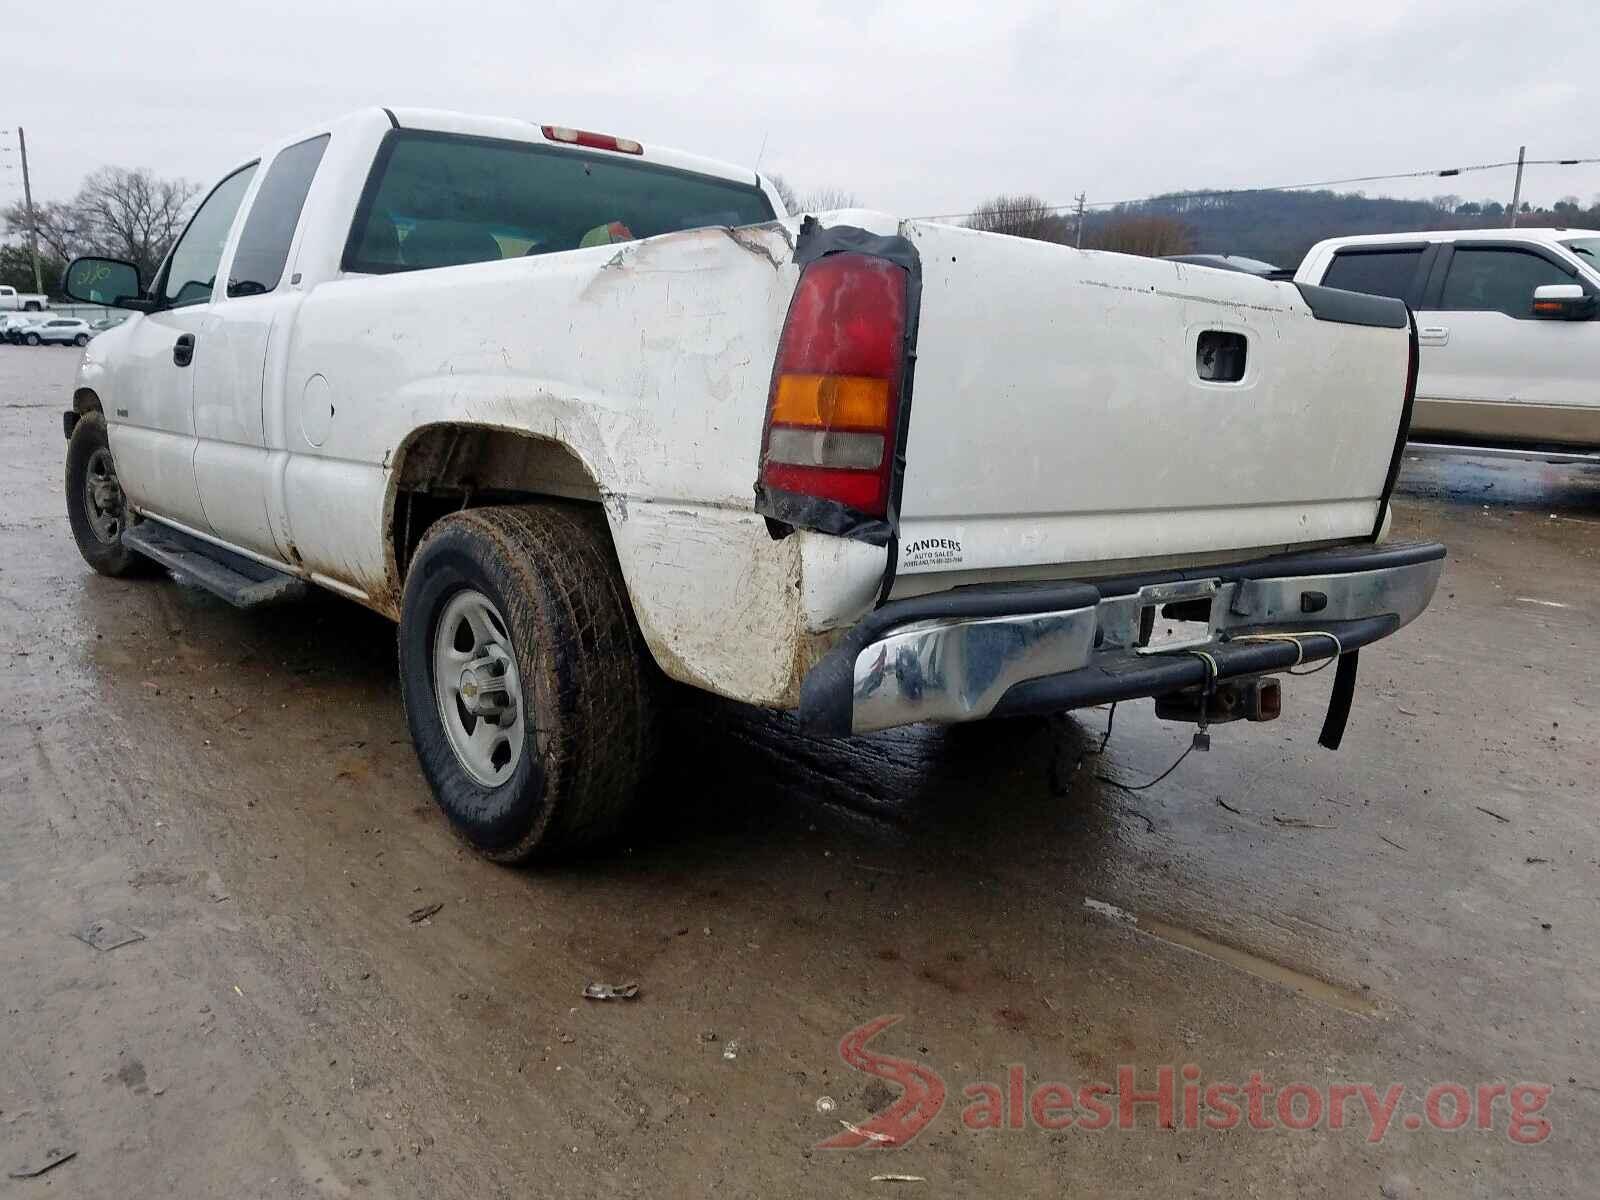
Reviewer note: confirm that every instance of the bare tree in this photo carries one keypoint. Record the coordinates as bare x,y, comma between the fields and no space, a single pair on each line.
59,235
1152,236
827,199
785,192
132,214
16,267
1021,216
822,199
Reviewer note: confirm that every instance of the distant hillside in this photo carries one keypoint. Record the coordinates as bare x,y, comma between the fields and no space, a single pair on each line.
1281,226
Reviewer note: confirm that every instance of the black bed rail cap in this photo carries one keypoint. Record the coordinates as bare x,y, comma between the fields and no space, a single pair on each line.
1353,308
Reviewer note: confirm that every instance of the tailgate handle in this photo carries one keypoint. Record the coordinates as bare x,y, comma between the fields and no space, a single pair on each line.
1219,356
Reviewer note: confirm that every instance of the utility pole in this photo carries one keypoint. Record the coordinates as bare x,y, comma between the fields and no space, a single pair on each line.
1516,193
1082,196
33,219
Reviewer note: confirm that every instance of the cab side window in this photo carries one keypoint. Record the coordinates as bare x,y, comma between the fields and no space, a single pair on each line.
192,269
1497,280
264,244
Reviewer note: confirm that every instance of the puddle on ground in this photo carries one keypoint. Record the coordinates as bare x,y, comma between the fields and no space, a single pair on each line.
1310,986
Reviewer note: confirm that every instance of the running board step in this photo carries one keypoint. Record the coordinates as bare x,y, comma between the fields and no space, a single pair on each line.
240,581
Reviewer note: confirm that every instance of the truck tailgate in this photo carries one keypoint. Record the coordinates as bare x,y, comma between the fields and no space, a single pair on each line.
1060,424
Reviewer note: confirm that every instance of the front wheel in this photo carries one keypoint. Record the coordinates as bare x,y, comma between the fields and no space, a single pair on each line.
32,339
81,340
96,508
528,691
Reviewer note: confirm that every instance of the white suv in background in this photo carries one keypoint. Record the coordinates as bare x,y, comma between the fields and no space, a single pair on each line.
61,330
1506,325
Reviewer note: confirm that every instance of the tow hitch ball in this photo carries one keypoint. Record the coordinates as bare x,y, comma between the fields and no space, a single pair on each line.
1257,699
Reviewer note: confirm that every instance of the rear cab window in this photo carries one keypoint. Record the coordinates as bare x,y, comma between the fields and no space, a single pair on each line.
440,200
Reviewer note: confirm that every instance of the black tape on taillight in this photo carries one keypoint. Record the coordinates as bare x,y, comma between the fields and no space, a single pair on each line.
829,516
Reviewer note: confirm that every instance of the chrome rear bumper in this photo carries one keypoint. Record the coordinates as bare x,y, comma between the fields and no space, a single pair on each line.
1005,650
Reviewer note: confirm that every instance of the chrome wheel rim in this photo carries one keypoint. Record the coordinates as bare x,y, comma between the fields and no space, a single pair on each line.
103,501
477,688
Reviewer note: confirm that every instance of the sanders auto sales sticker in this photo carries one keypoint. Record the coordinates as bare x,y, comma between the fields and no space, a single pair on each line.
931,552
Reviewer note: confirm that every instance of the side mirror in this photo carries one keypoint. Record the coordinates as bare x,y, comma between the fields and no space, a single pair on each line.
1563,302
107,281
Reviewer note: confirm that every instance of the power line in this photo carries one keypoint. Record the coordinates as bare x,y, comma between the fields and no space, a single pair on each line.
1445,173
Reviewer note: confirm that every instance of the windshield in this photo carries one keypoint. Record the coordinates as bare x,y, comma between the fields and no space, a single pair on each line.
1587,249
438,200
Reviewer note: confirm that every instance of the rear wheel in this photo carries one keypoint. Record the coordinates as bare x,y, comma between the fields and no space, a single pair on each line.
97,510
528,690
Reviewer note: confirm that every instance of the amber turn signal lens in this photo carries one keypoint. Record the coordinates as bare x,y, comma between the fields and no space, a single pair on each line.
832,401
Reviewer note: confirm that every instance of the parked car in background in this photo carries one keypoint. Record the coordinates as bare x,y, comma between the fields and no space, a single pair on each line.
1506,325
17,301
13,326
1233,262
60,331
107,322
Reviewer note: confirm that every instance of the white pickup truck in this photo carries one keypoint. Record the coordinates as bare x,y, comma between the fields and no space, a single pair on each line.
586,416
12,300
1508,322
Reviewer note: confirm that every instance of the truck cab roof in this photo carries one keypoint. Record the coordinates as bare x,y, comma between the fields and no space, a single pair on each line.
1546,235
356,139
533,132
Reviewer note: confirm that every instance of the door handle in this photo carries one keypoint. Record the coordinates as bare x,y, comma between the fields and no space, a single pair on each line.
1434,335
183,349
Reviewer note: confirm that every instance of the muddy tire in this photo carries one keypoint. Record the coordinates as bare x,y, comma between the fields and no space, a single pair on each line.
96,508
528,690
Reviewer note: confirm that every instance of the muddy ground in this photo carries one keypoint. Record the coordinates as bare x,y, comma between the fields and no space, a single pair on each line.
237,790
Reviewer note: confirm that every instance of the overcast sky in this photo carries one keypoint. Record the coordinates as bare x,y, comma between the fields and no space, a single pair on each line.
917,108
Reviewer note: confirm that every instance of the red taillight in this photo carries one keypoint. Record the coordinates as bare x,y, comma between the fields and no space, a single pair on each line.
835,399
594,141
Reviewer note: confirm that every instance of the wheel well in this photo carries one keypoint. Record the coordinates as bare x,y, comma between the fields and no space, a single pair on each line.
85,401
445,468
